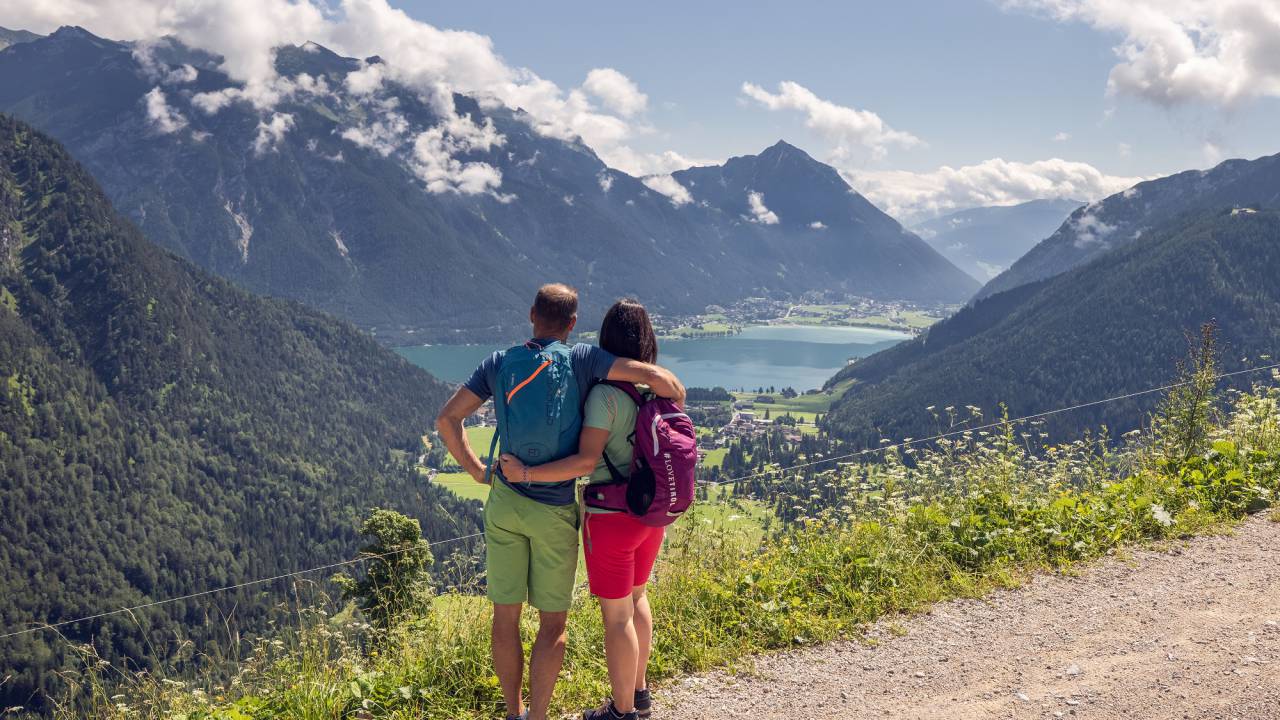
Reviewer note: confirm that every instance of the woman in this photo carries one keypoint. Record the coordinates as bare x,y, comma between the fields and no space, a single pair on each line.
620,551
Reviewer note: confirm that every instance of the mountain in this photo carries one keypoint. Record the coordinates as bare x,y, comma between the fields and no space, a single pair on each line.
813,222
984,241
163,432
381,205
1112,326
13,37
1124,217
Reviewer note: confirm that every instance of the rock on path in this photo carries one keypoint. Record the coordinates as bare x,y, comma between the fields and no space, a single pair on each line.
1193,632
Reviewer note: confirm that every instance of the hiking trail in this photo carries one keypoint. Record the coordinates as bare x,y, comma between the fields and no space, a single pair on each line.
1190,631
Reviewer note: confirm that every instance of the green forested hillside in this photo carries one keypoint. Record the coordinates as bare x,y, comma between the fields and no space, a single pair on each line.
1116,325
162,432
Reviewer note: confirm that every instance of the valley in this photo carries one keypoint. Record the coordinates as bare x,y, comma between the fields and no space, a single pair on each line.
934,351
818,309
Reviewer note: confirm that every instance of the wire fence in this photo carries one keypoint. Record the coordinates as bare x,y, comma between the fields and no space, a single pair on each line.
772,471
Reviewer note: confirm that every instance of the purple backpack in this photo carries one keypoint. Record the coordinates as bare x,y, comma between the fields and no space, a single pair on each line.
663,464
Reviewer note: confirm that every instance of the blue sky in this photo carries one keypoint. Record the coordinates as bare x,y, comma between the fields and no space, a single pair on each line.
923,105
971,79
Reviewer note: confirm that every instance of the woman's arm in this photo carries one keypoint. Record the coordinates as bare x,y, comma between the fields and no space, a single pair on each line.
660,380
590,447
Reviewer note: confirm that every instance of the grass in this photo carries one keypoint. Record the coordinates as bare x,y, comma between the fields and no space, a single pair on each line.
714,457
480,436
847,315
973,514
809,405
463,485
709,328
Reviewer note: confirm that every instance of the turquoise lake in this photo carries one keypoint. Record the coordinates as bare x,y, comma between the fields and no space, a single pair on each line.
802,357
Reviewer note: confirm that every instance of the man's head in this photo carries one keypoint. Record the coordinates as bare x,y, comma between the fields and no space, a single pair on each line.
554,311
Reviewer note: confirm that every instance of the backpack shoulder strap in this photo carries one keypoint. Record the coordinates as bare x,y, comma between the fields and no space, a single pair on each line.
498,407
488,468
636,397
617,476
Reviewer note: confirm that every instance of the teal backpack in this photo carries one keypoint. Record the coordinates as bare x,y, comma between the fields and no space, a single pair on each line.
539,412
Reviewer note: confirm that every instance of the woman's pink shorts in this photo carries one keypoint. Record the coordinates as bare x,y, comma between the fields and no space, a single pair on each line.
620,553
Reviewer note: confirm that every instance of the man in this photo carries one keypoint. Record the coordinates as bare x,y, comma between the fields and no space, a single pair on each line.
531,530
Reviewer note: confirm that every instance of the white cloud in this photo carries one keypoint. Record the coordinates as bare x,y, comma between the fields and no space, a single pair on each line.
989,270
1090,230
431,61
144,52
760,213
640,164
435,163
244,32
1212,153
383,135
163,118
365,80
669,186
818,225
1178,51
1062,137
438,62
853,131
182,74
912,196
606,181
271,133
616,91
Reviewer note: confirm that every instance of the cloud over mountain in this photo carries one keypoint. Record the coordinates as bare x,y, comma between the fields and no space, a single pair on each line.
163,118
1219,52
910,195
605,111
854,132
859,138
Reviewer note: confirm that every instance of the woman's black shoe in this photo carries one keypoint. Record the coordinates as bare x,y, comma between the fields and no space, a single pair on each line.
607,711
644,704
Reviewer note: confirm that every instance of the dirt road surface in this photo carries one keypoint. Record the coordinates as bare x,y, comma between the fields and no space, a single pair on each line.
1189,632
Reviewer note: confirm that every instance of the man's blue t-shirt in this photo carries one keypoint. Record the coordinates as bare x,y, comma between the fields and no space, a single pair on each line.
590,363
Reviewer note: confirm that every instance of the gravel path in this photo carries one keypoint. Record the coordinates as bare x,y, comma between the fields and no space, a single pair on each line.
1189,633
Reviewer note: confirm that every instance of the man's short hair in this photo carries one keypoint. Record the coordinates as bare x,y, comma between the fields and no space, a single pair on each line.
555,306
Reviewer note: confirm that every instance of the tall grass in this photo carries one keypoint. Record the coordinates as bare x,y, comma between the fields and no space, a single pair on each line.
974,513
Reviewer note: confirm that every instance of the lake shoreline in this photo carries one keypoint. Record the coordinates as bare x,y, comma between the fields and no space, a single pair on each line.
800,356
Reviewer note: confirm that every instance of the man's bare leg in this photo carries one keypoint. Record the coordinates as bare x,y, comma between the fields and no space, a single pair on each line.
508,656
545,661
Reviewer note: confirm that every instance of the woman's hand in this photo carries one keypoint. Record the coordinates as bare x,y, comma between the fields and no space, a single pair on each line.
512,469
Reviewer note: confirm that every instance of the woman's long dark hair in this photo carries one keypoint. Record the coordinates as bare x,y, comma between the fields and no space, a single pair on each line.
627,332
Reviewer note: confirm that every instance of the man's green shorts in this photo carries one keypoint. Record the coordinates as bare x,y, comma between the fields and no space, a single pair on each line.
531,550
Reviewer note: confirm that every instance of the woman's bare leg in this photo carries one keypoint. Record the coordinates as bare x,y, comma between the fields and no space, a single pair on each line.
642,620
621,650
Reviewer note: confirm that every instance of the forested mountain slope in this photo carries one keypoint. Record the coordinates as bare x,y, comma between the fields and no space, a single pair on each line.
1120,219
1116,325
423,222
162,432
